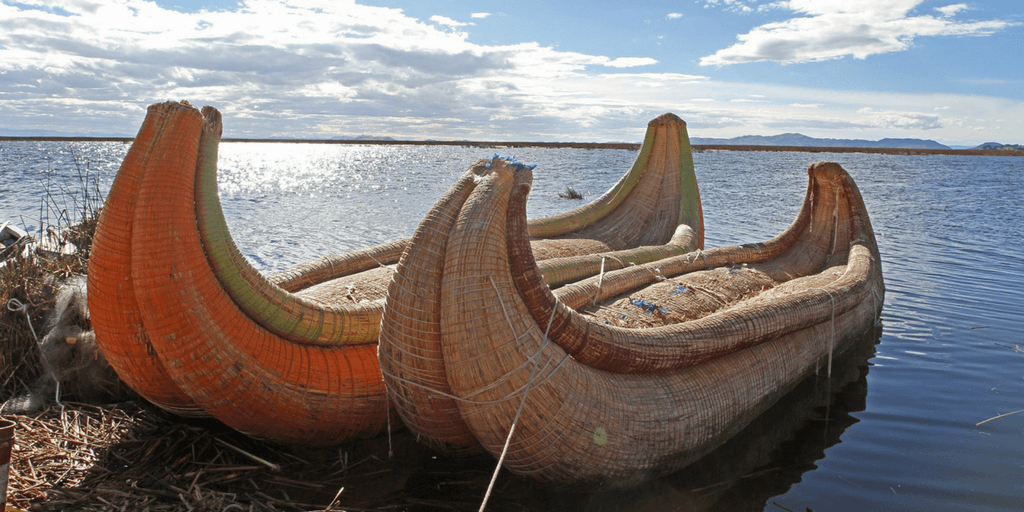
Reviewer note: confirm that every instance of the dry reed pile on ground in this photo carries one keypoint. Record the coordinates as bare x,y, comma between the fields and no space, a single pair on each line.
134,456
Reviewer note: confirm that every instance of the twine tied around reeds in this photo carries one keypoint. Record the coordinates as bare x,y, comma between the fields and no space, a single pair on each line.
14,305
508,376
522,402
832,338
522,392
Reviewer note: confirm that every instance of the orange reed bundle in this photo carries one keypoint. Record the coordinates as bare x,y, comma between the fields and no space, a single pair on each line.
194,328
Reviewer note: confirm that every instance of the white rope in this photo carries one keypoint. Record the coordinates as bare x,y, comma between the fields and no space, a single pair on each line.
533,358
600,279
519,410
700,253
810,225
391,448
832,338
15,305
835,224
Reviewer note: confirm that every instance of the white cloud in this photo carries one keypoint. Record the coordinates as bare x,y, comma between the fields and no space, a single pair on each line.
275,67
479,15
832,29
446,21
951,10
630,62
739,6
893,119
674,15
322,68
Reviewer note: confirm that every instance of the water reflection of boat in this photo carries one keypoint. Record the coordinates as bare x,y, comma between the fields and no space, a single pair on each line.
189,324
661,374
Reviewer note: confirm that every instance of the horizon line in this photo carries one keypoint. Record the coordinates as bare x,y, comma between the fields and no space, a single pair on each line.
573,145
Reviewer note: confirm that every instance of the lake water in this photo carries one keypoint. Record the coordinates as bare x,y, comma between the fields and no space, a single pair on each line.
896,428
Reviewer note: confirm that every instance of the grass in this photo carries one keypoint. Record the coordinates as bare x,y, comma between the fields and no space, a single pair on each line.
68,215
570,193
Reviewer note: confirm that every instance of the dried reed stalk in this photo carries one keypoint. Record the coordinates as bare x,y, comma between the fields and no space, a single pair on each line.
134,456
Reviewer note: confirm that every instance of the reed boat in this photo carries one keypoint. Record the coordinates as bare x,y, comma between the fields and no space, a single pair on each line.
13,239
191,326
634,373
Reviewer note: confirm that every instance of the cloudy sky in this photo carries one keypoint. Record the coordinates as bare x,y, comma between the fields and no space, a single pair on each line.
520,69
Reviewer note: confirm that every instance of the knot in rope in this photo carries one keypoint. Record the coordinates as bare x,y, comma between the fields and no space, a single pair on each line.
15,305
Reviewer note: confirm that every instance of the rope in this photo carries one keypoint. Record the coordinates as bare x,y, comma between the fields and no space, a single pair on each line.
832,338
503,310
835,224
810,226
519,410
699,253
467,400
15,305
600,279
391,448
533,358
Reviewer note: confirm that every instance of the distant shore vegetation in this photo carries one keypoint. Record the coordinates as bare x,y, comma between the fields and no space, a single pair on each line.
987,149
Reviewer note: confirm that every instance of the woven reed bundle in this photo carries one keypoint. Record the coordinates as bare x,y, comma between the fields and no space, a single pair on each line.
364,286
657,194
832,215
648,196
112,300
199,340
673,301
304,338
577,423
410,340
661,184
327,268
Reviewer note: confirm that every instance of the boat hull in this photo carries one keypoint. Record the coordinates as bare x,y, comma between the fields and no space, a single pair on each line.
617,410
189,324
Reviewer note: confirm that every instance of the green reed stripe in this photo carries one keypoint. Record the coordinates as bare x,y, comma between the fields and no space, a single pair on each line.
689,200
229,264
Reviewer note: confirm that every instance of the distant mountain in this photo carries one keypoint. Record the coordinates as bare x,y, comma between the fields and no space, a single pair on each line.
1001,146
800,140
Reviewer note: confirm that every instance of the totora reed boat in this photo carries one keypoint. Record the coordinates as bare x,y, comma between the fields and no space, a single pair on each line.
632,373
190,325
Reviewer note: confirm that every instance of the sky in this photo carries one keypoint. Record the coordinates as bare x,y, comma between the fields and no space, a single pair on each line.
521,70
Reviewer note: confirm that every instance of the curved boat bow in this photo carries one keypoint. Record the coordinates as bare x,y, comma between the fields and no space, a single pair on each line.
656,202
193,327
699,353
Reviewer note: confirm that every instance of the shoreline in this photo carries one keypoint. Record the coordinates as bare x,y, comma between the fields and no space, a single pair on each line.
573,145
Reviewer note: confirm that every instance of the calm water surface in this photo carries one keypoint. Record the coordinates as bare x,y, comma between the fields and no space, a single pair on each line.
896,426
